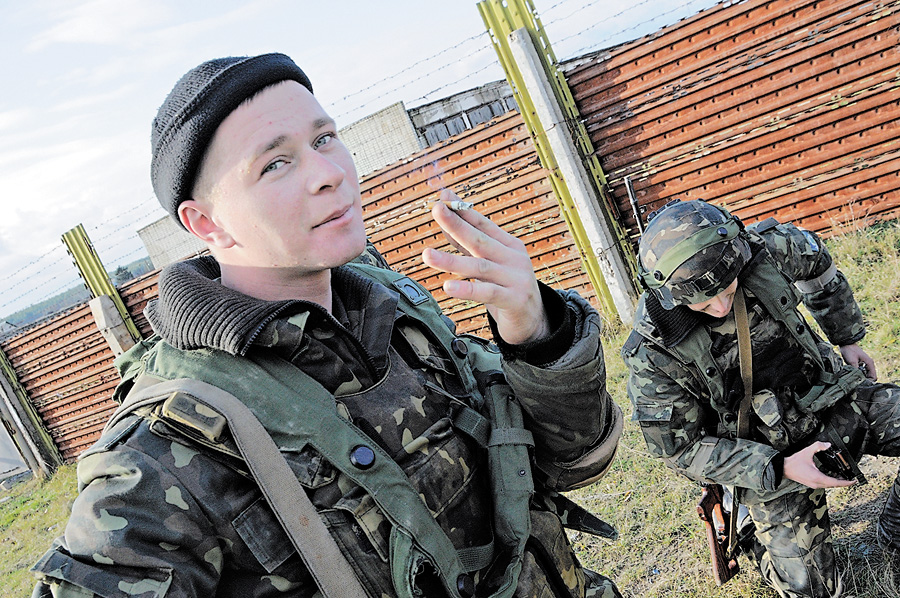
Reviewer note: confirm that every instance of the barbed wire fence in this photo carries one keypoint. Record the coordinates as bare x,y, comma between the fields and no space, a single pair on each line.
118,244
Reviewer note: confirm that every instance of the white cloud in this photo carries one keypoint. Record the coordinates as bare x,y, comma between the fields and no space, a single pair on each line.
50,190
12,119
104,22
97,100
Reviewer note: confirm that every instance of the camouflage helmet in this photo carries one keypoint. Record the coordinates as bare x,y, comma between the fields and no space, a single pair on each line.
690,252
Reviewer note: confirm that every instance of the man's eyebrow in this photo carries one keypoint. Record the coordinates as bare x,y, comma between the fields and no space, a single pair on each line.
320,123
272,145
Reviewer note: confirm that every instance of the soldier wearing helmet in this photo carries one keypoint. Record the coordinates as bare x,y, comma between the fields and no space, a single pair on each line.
697,261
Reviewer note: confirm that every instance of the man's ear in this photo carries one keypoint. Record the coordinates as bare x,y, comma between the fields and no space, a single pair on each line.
198,219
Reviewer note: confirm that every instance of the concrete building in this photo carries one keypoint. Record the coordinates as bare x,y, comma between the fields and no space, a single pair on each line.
167,242
380,139
450,116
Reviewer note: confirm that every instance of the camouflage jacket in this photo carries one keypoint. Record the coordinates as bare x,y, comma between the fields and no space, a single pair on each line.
685,383
161,515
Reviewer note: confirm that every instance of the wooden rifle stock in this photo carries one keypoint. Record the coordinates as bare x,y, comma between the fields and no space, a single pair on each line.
716,521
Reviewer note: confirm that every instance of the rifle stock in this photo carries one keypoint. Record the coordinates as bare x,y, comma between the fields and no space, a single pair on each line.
716,522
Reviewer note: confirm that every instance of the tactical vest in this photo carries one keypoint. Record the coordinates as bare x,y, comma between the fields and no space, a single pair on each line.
297,411
780,299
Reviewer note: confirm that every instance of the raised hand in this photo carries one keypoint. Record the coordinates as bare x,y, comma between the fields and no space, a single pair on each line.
494,269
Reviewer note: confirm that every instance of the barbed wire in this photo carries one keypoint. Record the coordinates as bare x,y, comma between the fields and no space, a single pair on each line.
419,78
588,5
74,280
133,252
594,45
30,264
452,83
550,8
487,45
129,230
110,235
412,66
149,199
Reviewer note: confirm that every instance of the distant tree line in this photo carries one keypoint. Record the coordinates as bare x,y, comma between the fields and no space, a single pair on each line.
71,297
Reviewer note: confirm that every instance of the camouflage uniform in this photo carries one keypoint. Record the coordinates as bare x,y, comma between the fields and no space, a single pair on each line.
685,386
162,513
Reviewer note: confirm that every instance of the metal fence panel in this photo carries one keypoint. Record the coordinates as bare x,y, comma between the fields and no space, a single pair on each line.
772,108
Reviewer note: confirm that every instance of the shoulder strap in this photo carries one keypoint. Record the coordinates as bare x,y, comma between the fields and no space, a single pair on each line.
745,358
326,563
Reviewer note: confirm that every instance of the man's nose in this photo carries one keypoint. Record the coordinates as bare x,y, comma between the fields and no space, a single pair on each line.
721,305
328,174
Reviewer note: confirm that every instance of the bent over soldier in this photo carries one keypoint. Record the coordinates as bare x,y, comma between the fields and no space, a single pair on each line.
434,460
700,266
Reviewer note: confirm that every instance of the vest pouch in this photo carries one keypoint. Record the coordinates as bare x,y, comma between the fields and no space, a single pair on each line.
848,422
653,417
781,424
830,389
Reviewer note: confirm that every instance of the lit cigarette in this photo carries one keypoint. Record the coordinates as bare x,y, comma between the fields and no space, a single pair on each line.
458,205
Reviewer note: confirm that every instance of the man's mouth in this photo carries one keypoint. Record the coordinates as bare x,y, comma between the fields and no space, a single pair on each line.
336,215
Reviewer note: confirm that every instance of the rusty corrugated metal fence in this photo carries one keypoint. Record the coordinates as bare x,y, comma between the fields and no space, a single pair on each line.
784,108
66,368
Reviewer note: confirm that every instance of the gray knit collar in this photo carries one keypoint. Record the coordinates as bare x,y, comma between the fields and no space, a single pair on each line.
193,309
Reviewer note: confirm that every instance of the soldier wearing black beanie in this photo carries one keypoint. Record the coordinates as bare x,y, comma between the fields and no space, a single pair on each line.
417,466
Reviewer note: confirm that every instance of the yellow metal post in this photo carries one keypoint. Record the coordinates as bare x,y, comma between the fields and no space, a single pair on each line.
95,276
502,17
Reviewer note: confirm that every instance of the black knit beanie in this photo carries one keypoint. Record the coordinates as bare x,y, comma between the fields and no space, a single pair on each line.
193,110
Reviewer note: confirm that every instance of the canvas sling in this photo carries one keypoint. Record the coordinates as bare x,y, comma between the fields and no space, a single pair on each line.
326,563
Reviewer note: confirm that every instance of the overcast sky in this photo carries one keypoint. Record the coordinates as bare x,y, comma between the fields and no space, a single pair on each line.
82,81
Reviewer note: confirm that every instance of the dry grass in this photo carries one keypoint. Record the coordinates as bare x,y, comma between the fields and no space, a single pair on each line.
661,551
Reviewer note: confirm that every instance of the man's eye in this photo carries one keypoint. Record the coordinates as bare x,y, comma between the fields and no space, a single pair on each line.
324,139
274,165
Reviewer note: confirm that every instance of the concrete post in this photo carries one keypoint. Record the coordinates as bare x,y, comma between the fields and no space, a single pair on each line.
24,444
94,274
599,232
111,324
